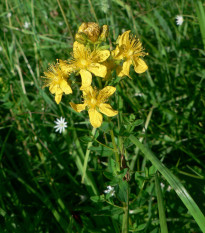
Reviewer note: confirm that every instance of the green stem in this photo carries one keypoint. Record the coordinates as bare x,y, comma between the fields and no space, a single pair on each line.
117,158
132,164
125,220
79,158
65,19
87,156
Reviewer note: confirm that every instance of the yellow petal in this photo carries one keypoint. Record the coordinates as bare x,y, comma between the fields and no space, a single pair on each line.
78,107
117,53
98,69
125,68
58,98
105,93
65,67
100,55
78,49
124,38
65,87
53,88
59,91
86,78
107,110
139,65
95,118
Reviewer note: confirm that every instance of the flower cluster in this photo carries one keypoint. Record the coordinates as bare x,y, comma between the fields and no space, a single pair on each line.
93,61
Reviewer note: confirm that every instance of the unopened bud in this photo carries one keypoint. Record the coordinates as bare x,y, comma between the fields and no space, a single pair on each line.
91,29
104,32
81,37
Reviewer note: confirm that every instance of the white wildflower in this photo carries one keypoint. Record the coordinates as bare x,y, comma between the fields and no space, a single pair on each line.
169,188
26,25
9,15
60,23
138,94
162,185
1,49
61,124
179,20
110,190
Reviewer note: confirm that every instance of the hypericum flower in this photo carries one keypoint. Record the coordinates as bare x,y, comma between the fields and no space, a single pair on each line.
95,102
61,124
130,50
110,190
111,66
86,62
179,20
56,79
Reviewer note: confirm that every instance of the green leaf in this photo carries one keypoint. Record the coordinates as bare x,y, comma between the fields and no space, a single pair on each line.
162,216
102,150
122,190
100,198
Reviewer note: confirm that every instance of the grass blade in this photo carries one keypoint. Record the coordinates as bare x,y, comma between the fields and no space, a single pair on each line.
174,182
201,18
162,216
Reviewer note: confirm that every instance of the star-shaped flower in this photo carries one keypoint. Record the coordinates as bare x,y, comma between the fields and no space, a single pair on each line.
57,81
110,190
179,20
95,102
88,62
61,124
129,49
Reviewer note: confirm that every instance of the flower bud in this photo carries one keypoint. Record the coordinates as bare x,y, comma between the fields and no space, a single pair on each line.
104,32
81,37
91,30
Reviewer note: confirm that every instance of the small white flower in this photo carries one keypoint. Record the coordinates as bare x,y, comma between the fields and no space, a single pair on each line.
60,125
110,190
1,49
162,185
138,94
26,25
169,188
179,20
60,23
9,15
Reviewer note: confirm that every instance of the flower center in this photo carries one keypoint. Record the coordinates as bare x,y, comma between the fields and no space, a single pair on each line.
93,102
130,53
83,63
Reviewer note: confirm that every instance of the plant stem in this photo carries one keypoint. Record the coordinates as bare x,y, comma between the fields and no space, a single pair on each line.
65,19
87,156
117,158
125,221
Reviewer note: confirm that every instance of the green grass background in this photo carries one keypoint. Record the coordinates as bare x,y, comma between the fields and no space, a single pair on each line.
40,175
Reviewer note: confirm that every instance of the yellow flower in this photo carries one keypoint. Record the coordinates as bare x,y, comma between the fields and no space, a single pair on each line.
111,66
95,102
57,82
87,62
130,50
